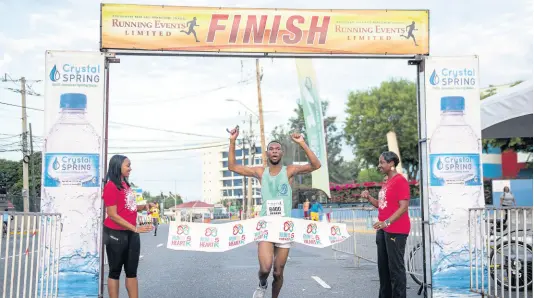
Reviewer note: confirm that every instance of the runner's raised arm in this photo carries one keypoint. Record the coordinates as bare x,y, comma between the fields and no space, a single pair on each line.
232,164
314,163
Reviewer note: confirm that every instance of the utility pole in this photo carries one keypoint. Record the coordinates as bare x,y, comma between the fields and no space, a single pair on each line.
244,178
25,182
260,113
32,172
251,163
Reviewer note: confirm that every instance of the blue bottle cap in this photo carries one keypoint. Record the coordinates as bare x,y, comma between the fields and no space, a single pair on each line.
73,101
452,103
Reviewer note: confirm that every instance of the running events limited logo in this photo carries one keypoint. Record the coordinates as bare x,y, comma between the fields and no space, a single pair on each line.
311,237
238,237
210,238
287,234
447,78
72,74
261,231
181,238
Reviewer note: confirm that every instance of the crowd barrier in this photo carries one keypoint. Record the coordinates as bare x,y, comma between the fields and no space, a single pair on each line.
500,252
362,245
29,254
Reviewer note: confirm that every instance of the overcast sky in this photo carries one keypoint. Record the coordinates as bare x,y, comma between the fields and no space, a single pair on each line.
188,94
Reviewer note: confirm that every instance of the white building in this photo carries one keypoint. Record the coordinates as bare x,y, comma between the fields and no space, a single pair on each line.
219,183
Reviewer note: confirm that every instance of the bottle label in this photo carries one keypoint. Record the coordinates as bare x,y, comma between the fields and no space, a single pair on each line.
455,169
80,169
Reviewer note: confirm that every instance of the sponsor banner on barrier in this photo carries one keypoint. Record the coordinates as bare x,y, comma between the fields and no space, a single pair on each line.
73,163
454,168
211,29
227,236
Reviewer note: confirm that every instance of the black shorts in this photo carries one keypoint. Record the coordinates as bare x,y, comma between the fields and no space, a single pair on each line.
123,249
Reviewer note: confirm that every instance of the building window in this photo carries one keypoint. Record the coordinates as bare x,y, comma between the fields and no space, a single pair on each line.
238,182
227,183
238,152
258,150
225,154
238,193
227,174
225,164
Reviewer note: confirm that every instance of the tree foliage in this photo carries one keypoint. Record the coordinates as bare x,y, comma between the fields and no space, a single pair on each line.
337,167
11,179
372,114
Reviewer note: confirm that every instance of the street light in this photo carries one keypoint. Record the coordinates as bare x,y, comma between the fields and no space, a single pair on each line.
244,105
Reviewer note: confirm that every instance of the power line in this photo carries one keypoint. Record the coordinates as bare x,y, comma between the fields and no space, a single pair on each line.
19,106
169,150
244,82
166,130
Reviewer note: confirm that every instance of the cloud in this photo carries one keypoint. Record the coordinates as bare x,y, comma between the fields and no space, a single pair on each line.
6,59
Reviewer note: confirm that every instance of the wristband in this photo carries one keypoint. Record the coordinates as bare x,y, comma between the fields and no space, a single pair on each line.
387,222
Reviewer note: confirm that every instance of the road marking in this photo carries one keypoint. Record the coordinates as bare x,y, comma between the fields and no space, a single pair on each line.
160,245
321,282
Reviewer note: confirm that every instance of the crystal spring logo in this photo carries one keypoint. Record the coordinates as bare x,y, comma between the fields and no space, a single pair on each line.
73,73
262,224
288,226
311,229
453,77
238,229
182,230
211,232
335,230
54,74
434,78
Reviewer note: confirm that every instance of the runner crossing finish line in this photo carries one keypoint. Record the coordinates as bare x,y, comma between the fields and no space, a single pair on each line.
274,231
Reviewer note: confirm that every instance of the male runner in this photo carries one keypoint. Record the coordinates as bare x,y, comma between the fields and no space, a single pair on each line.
277,199
410,29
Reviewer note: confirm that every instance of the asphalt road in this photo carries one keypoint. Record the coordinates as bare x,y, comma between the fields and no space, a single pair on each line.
168,273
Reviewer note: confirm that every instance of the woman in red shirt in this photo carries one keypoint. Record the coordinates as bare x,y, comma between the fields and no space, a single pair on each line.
393,227
121,237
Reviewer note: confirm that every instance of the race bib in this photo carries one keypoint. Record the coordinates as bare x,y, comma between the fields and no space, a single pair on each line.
275,207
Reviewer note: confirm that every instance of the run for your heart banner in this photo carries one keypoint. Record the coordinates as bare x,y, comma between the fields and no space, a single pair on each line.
227,236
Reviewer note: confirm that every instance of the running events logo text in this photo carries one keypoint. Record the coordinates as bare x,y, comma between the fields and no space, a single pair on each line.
70,74
453,78
236,239
210,238
261,231
287,234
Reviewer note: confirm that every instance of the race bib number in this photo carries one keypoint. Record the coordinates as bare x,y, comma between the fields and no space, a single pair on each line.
275,207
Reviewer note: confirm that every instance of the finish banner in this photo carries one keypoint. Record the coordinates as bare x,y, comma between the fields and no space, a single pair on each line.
210,29
227,236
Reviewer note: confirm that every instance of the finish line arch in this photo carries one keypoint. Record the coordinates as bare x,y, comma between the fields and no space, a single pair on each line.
150,30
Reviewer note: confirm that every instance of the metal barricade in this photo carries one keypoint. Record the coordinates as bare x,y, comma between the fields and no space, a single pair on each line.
29,254
500,252
363,243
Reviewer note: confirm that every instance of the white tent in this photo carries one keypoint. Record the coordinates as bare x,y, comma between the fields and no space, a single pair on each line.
508,113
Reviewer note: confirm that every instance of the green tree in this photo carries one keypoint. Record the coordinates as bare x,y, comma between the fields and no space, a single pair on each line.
373,113
370,175
337,168
11,179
